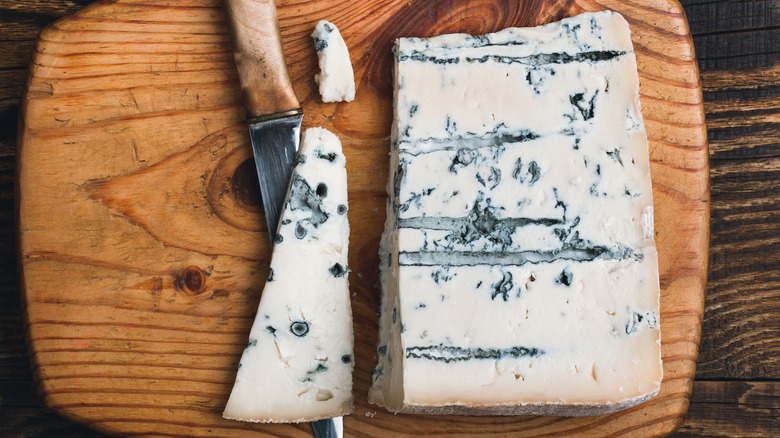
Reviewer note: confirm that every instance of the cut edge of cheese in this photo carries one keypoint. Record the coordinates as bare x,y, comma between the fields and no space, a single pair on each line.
547,409
536,44
299,361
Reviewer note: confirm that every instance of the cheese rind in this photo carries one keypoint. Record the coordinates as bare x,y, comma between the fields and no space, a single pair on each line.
336,78
298,364
518,257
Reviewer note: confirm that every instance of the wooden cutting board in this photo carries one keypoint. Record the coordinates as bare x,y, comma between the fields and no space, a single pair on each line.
143,245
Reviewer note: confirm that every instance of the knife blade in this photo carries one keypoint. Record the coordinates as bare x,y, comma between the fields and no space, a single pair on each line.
328,428
274,146
274,115
273,112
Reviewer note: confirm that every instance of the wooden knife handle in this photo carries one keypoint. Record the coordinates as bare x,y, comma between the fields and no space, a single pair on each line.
257,48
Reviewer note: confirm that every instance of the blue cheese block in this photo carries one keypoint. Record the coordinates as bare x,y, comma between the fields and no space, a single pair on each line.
298,364
518,257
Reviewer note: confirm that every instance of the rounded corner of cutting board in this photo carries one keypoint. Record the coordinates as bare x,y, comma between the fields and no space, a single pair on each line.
107,331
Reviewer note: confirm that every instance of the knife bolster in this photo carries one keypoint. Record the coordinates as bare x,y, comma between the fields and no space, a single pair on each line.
257,119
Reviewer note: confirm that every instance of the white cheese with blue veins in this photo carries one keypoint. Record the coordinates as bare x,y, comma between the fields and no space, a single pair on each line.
336,78
299,359
519,270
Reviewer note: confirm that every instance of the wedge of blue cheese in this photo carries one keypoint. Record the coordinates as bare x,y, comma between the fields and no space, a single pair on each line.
299,360
519,270
336,79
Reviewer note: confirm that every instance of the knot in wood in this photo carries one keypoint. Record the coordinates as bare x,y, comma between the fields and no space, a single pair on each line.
244,185
192,280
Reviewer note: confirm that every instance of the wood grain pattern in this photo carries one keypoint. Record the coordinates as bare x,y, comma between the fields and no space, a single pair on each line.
742,329
740,76
732,408
132,146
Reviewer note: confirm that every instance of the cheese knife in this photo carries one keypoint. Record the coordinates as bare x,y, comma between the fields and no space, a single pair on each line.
273,111
274,116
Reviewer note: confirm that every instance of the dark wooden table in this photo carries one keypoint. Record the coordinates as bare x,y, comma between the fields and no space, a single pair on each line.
737,388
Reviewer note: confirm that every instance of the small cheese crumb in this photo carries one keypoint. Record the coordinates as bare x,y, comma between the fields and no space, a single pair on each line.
336,78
